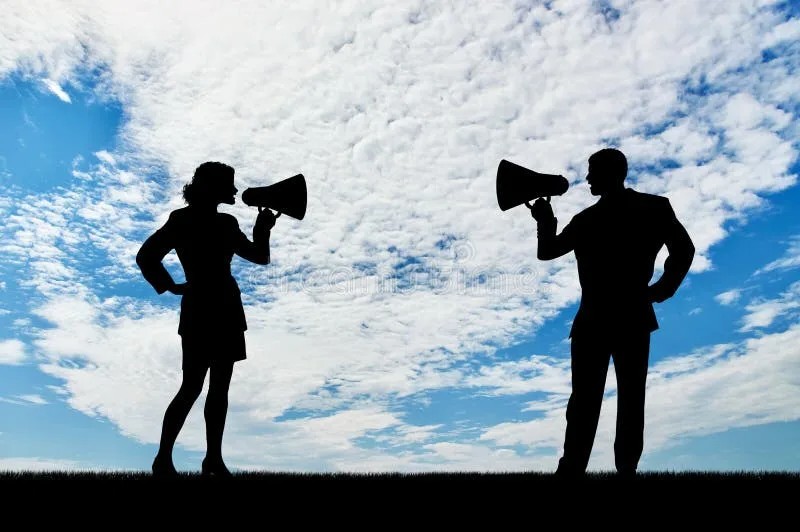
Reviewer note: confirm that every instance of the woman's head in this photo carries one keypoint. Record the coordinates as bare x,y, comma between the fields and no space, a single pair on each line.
212,183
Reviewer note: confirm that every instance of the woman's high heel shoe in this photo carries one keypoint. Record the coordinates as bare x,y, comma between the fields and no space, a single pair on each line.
215,468
163,467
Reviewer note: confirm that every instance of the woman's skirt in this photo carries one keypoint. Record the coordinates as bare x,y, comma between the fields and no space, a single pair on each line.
204,349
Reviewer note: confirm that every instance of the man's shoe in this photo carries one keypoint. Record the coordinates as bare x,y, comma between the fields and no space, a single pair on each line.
565,471
215,468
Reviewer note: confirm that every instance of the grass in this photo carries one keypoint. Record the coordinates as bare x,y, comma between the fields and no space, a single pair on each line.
659,476
455,482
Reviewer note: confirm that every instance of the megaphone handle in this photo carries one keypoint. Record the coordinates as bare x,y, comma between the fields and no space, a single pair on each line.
277,214
528,203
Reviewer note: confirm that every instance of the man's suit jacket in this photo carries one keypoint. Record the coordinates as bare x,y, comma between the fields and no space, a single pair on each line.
616,242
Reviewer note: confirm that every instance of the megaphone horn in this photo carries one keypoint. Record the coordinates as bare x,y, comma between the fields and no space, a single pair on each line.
288,196
517,185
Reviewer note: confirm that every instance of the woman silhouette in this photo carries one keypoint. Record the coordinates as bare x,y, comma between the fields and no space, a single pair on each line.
212,321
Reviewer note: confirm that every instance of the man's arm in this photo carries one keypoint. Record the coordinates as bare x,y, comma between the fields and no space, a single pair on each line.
550,245
681,253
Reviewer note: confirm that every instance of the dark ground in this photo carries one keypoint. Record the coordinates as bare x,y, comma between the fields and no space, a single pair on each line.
464,495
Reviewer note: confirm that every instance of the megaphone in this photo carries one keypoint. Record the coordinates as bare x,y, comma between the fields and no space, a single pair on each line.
517,185
288,196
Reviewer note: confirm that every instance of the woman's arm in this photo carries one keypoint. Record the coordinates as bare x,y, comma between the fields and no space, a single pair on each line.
149,258
256,251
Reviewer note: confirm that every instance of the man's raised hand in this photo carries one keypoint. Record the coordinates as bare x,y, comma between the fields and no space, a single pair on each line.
542,211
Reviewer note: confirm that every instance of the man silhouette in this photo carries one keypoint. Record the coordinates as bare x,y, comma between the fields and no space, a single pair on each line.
615,241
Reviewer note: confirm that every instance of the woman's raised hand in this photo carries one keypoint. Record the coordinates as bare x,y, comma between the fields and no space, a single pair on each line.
265,220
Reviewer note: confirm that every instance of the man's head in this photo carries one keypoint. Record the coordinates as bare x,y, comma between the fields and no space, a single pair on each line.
212,183
607,171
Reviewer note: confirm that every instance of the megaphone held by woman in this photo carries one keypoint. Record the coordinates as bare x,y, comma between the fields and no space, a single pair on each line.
288,196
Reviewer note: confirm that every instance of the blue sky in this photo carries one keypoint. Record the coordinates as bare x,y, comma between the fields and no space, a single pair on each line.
405,324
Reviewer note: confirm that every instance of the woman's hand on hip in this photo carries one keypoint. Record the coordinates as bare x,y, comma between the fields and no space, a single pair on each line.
178,288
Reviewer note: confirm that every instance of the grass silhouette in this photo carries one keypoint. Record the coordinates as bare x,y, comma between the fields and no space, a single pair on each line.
739,478
458,481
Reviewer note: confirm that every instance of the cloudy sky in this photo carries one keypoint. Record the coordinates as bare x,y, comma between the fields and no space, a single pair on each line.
405,324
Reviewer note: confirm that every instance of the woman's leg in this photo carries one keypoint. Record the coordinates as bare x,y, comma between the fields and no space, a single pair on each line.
216,411
175,416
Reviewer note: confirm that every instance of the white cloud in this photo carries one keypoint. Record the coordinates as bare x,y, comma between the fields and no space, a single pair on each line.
791,259
126,370
753,383
761,314
34,464
398,127
56,89
728,297
711,390
105,157
535,374
33,399
12,352
26,399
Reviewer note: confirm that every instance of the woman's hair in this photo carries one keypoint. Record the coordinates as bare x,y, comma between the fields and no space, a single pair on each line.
203,186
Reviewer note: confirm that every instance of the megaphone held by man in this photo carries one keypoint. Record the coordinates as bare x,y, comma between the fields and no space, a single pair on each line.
517,185
288,196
